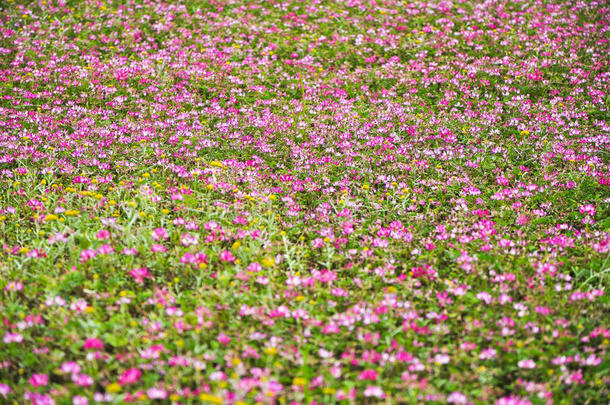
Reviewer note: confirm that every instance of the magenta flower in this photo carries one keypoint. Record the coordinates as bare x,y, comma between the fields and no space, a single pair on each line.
370,375
87,254
159,234
130,376
82,380
139,274
227,256
93,343
223,339
103,234
39,380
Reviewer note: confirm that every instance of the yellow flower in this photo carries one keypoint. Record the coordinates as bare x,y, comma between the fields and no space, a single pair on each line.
267,262
114,387
299,381
271,350
212,399
51,217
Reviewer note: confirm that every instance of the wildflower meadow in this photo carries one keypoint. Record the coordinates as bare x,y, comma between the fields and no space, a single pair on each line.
304,202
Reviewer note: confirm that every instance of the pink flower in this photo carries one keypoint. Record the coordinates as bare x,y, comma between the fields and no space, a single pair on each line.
105,249
223,339
374,391
130,252
103,234
70,367
87,254
130,376
512,400
527,364
12,338
82,380
14,286
587,209
80,400
441,359
158,248
254,267
38,380
457,398
156,393
93,343
369,374
159,234
4,390
139,274
227,256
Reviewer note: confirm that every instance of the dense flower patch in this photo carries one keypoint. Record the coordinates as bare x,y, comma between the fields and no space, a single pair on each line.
359,201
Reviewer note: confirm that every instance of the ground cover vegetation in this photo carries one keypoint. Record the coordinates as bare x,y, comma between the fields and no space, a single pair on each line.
298,202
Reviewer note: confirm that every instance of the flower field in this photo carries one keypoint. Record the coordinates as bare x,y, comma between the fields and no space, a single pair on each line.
304,202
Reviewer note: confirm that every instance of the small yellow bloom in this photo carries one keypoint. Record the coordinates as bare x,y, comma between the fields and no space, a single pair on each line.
299,381
114,387
211,399
51,217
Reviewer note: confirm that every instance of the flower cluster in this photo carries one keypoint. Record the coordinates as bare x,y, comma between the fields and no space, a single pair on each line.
304,202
